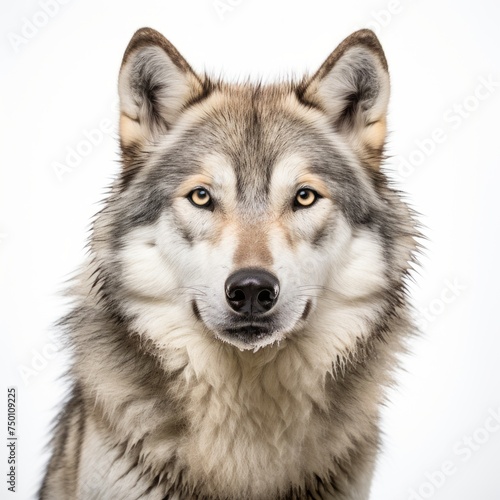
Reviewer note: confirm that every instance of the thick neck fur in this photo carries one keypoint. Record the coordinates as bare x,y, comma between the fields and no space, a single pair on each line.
237,421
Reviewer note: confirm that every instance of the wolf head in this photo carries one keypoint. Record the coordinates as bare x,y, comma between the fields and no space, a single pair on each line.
253,214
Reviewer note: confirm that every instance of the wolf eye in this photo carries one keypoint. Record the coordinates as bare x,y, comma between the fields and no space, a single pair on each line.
305,198
200,197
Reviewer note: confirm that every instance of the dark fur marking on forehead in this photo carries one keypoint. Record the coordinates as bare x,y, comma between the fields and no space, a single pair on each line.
252,152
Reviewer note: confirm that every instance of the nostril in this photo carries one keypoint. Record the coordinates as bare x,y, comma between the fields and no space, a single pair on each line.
265,298
237,295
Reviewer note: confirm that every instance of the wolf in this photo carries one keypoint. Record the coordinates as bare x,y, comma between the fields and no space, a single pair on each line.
245,298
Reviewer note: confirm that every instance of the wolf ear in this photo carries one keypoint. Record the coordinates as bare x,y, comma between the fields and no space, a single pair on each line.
154,85
352,88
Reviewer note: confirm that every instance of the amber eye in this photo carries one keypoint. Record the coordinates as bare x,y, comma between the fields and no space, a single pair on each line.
200,197
305,198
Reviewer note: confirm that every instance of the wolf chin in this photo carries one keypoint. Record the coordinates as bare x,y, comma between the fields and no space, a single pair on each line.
245,296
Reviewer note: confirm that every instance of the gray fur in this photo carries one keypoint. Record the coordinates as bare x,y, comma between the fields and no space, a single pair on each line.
164,403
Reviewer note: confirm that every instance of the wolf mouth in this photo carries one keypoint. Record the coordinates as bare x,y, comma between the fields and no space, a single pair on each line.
249,330
254,331
251,334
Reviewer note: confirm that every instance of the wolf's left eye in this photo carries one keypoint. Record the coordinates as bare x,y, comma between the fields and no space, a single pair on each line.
200,197
305,198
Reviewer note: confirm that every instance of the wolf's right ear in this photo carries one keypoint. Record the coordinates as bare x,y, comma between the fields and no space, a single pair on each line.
155,84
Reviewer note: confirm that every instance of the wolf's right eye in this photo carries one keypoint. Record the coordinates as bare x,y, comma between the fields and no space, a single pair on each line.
200,198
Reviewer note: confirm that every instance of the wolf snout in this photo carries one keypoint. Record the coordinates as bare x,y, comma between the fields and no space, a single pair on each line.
252,291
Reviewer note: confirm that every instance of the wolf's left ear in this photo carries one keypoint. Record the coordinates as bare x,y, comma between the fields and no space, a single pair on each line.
352,88
155,84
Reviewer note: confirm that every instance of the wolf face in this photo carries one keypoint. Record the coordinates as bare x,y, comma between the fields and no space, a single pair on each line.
243,208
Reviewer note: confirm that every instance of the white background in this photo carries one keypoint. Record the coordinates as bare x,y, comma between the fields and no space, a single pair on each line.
60,82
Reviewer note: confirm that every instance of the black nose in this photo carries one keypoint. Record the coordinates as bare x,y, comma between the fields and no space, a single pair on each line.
252,291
